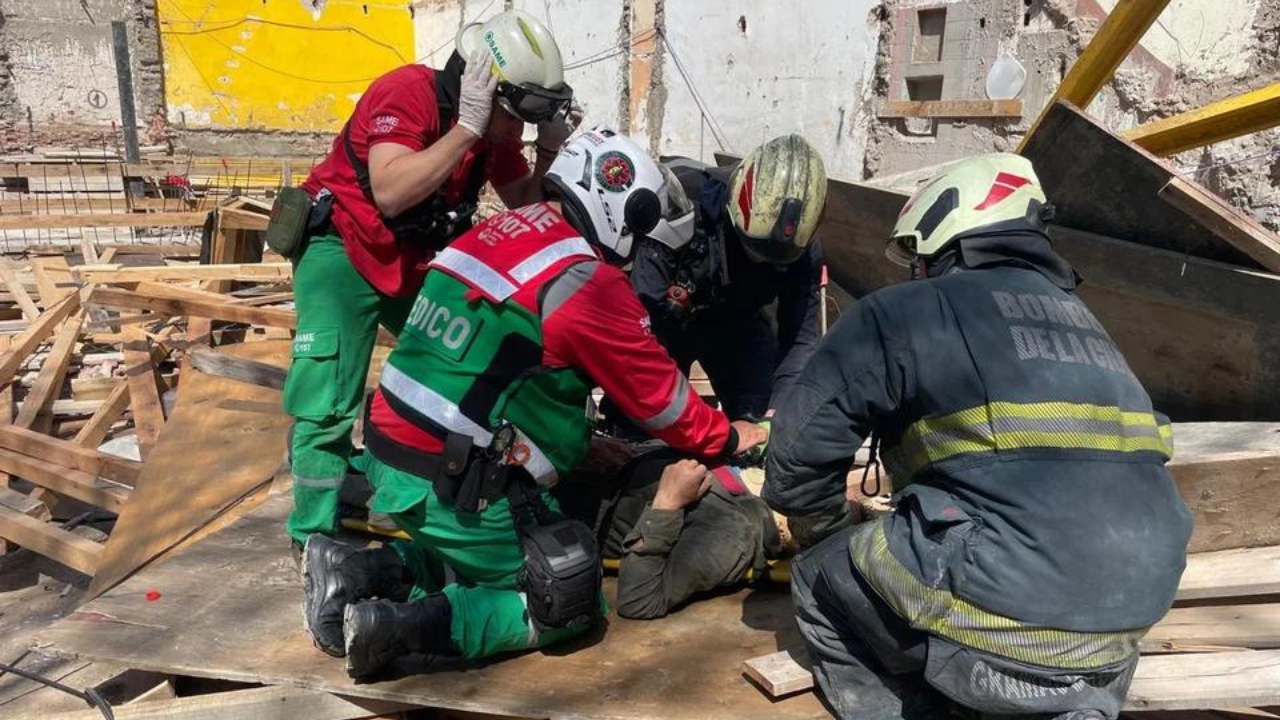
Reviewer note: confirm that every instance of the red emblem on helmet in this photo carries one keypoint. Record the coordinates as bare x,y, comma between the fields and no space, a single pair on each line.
615,171
746,195
1004,186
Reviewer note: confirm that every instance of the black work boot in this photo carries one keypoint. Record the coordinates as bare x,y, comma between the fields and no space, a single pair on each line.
334,574
380,631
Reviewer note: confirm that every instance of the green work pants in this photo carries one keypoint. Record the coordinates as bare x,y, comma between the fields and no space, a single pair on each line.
338,317
473,558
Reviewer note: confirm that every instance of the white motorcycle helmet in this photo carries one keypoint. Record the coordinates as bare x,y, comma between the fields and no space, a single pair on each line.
612,192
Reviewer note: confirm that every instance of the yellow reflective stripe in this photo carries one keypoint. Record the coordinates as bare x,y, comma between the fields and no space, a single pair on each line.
938,611
1013,426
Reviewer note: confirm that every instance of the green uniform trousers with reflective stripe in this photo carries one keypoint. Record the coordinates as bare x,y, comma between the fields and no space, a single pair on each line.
338,317
473,558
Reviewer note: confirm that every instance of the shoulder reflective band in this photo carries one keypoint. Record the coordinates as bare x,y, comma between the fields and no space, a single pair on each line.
938,611
674,409
537,263
475,272
1013,426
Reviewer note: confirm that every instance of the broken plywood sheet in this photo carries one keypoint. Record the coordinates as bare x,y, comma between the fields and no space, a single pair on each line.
229,608
1102,183
225,439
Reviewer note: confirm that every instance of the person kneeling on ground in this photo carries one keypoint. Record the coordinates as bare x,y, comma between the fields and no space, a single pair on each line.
1037,534
481,408
677,528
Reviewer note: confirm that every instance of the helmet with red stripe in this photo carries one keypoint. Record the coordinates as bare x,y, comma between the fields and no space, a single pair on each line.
993,193
776,197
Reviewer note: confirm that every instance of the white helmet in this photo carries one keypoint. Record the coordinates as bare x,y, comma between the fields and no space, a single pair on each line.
526,60
613,191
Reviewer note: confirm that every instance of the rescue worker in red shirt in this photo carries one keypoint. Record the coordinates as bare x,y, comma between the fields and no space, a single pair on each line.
401,181
481,409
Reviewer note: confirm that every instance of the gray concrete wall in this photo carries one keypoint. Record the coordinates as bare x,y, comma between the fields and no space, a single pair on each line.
60,86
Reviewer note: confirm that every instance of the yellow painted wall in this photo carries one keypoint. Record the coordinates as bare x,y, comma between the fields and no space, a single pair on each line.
277,64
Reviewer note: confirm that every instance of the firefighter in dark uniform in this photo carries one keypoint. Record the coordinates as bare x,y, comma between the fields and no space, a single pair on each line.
1037,535
748,241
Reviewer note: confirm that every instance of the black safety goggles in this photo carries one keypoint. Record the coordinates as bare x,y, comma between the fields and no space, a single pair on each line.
533,104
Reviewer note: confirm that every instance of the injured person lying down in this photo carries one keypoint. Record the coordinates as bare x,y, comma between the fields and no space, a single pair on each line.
677,528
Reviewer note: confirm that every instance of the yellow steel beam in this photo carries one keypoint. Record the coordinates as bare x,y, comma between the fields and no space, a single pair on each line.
1223,120
1115,38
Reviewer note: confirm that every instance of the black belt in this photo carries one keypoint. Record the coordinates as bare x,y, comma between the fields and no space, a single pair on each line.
400,456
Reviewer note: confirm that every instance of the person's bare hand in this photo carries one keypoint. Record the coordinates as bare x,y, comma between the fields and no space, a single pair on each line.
682,483
749,435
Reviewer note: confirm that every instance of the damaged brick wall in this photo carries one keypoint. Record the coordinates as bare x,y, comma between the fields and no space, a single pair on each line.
59,86
1181,64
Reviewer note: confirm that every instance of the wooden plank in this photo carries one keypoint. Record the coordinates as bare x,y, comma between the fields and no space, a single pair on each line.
224,439
1124,27
20,295
1227,626
234,616
96,430
267,703
781,673
1233,497
69,454
1246,234
65,481
36,409
1231,573
24,504
247,371
144,392
952,108
75,552
247,272
101,220
1168,682
1250,112
238,219
229,311
1216,680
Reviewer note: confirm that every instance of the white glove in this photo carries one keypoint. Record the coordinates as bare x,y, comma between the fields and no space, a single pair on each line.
476,101
553,133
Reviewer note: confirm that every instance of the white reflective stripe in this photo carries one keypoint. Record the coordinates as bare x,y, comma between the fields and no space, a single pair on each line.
537,263
476,272
432,404
538,465
532,639
329,483
672,412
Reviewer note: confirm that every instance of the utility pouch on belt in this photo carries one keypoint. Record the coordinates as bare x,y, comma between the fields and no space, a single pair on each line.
290,214
562,573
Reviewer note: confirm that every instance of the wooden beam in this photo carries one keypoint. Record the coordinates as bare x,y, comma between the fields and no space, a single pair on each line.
1228,223
19,291
62,452
51,541
65,481
25,504
952,109
1222,626
144,391
265,703
1111,44
96,430
21,347
237,219
1232,496
102,220
36,409
1231,573
248,272
253,372
1251,112
229,311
